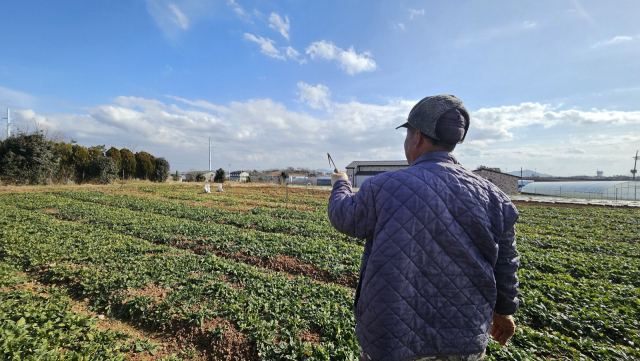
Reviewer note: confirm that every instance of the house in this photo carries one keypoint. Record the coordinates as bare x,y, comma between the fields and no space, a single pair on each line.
358,171
238,176
506,182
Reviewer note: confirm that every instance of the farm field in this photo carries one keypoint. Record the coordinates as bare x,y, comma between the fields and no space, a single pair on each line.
165,272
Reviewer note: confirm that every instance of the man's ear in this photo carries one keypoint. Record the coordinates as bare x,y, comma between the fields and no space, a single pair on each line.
419,140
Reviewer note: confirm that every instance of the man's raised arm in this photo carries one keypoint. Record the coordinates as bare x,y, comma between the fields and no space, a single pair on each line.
352,213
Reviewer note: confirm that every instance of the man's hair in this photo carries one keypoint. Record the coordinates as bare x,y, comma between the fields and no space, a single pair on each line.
448,146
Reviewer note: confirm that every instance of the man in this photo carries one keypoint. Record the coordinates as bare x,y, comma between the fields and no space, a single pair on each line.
439,268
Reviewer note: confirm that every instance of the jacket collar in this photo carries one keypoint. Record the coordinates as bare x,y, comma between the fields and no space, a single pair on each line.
436,157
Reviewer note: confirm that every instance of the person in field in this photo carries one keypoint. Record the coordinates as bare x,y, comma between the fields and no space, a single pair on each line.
439,268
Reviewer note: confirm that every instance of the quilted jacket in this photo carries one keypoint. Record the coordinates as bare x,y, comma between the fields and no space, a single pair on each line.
440,256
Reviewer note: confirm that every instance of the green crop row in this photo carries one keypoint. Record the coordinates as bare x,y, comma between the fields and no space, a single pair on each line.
337,257
530,237
601,224
102,266
307,224
616,269
39,324
579,296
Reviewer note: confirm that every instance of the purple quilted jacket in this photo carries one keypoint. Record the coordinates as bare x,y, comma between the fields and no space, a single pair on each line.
440,257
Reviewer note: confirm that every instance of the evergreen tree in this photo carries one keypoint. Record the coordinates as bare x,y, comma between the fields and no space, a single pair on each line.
80,157
28,159
220,176
161,172
114,154
128,160
102,169
66,170
95,152
145,165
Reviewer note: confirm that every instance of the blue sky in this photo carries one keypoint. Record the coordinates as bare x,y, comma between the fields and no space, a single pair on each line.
551,85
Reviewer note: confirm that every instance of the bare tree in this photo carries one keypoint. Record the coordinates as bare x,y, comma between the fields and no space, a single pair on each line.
50,132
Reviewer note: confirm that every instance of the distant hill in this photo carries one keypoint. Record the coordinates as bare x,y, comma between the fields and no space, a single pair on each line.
529,173
324,170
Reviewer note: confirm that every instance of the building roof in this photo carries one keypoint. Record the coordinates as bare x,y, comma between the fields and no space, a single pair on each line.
493,171
374,163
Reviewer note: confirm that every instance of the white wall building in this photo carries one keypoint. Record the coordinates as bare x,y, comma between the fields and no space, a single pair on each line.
238,176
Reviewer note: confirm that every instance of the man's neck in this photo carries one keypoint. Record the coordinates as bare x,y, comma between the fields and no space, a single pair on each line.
424,150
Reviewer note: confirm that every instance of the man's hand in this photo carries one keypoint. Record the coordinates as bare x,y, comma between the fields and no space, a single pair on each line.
338,175
502,328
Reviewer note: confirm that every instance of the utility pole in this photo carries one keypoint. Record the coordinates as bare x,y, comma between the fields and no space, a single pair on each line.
209,154
8,118
229,177
634,170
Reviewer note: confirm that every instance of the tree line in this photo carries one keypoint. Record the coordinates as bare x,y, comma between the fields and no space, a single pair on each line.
32,159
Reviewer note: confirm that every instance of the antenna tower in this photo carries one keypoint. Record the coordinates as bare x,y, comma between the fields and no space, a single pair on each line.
635,163
8,118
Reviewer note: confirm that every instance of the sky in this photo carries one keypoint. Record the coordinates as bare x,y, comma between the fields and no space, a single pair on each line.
552,86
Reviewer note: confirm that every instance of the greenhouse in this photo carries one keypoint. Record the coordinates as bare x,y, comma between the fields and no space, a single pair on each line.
618,190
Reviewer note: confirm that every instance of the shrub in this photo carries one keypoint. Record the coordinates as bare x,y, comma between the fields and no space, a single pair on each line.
145,165
28,159
80,157
283,177
114,154
66,171
96,152
220,176
161,172
102,169
200,177
128,160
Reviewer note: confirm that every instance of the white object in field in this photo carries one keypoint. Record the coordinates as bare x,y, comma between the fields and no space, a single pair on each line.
207,188
220,188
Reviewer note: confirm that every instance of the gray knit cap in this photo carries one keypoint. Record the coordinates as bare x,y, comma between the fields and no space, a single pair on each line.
441,117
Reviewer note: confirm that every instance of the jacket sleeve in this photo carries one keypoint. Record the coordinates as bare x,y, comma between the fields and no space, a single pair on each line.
506,269
352,213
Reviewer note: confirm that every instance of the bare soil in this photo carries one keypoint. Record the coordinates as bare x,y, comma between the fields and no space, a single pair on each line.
283,263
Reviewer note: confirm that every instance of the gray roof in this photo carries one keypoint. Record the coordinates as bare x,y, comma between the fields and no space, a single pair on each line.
374,163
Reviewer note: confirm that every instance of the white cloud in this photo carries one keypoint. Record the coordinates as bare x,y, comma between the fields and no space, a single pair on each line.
415,12
174,17
317,97
496,32
13,98
266,46
614,41
180,19
243,15
349,60
263,133
397,26
294,54
279,25
492,124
